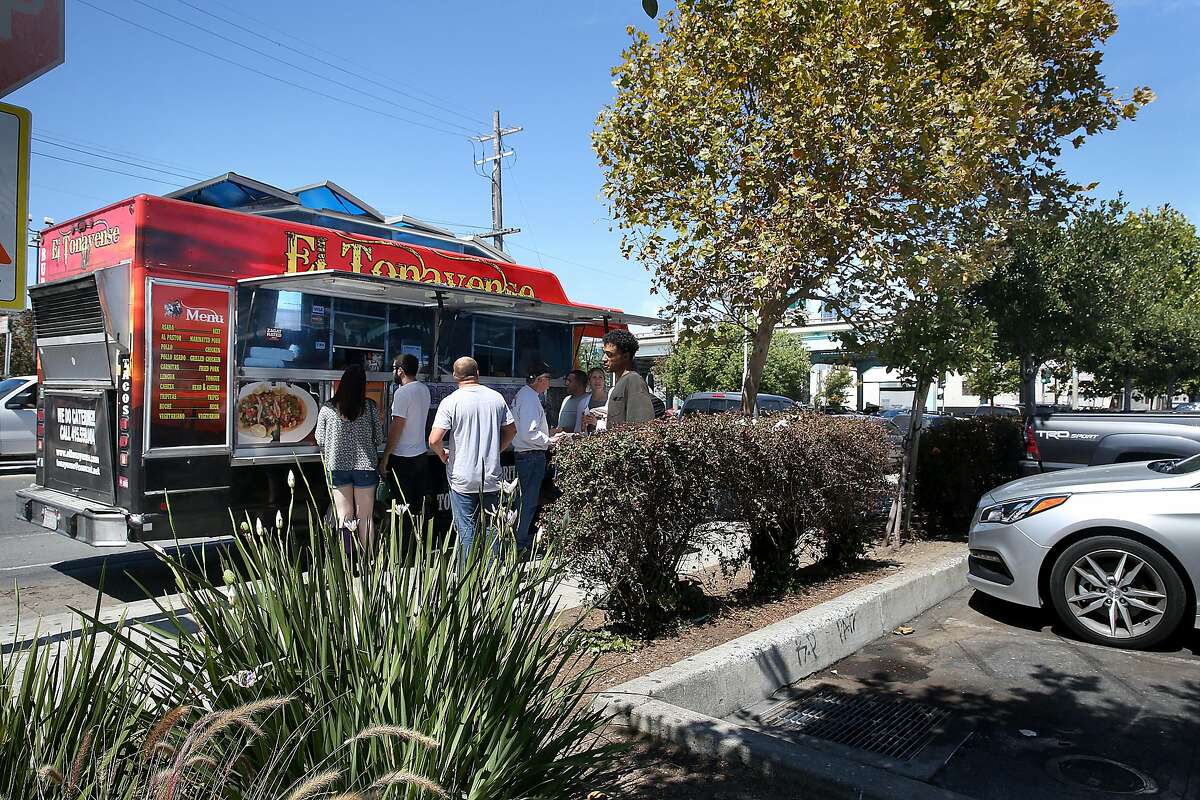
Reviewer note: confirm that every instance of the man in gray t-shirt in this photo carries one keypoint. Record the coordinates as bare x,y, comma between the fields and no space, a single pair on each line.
480,426
570,415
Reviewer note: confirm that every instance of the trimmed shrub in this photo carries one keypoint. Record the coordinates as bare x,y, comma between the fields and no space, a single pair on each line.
958,463
630,502
806,486
809,487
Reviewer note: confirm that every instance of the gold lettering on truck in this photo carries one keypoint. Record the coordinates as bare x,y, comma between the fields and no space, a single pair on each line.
305,250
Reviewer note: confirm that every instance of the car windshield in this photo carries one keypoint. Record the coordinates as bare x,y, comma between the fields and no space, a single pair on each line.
1179,467
9,384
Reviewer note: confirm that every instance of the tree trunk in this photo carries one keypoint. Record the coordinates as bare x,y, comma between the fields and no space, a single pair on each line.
1029,371
901,514
1127,399
1171,393
758,359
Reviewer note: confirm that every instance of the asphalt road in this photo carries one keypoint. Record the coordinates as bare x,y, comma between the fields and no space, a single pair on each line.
48,573
1022,710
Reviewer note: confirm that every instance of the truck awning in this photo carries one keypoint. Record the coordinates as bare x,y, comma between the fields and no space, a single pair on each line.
353,286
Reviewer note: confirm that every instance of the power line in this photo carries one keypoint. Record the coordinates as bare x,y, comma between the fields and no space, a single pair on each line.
306,71
118,160
474,122
105,169
573,263
58,137
268,75
45,188
455,224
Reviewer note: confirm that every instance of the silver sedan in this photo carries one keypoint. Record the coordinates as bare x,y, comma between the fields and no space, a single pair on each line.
1115,550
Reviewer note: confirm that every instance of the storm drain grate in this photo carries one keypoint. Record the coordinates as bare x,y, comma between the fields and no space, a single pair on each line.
892,727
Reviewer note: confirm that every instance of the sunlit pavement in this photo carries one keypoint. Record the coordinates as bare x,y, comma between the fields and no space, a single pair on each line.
1024,711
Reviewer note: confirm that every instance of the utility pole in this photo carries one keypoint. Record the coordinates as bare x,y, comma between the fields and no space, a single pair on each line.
498,231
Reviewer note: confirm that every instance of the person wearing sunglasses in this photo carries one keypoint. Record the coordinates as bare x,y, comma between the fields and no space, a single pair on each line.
407,449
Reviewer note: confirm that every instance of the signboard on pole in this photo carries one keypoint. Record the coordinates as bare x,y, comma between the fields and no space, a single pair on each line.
14,201
31,40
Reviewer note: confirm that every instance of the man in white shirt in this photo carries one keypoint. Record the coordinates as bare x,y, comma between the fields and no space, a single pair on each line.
480,426
531,443
407,451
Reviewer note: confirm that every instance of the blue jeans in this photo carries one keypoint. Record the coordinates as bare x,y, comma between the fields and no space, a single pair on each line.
468,510
531,471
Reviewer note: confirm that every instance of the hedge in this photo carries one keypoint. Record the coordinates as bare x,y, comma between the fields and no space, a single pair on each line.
958,463
806,486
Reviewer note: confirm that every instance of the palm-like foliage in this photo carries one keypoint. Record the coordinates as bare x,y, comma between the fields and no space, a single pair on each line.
468,655
71,707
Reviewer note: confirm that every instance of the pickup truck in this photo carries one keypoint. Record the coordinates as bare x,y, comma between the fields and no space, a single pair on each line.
1064,440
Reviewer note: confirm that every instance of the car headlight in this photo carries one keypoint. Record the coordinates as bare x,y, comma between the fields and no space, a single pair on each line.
1015,510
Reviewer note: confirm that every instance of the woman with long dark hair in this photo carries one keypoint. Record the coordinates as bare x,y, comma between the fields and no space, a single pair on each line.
350,433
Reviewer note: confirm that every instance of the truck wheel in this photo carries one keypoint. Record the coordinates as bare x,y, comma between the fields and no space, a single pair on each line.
1118,592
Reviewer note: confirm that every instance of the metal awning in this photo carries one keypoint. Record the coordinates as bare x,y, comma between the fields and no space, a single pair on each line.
354,286
235,192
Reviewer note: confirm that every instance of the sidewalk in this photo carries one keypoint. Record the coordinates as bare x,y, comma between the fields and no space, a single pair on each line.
14,635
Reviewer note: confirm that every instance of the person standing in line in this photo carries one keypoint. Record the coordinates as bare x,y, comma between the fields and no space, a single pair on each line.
407,449
350,433
629,400
570,414
597,397
531,443
480,426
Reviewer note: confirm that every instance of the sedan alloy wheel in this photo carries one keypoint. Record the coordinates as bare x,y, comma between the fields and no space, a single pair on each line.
1117,591
1116,594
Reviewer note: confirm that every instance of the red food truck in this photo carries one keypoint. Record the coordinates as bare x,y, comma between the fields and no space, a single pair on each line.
185,344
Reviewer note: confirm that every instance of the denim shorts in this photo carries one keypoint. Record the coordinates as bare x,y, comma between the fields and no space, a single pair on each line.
361,478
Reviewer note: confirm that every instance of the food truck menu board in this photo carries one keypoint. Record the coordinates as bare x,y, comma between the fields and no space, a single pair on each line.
189,365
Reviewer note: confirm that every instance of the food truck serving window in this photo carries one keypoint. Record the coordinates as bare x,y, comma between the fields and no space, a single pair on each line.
504,346
301,331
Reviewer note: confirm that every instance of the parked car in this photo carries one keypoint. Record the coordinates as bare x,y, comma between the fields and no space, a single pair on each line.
928,421
997,411
1186,408
716,402
1065,440
660,408
18,419
1112,549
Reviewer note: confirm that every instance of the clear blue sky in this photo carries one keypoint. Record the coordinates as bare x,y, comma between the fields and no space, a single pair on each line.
544,64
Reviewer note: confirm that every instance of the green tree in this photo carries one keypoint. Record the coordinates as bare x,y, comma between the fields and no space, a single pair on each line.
711,361
837,382
762,153
23,358
788,367
989,375
1145,310
937,329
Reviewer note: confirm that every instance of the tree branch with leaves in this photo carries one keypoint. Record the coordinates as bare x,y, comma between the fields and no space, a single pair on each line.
762,153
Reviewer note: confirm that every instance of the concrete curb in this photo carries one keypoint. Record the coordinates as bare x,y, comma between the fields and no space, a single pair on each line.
684,702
